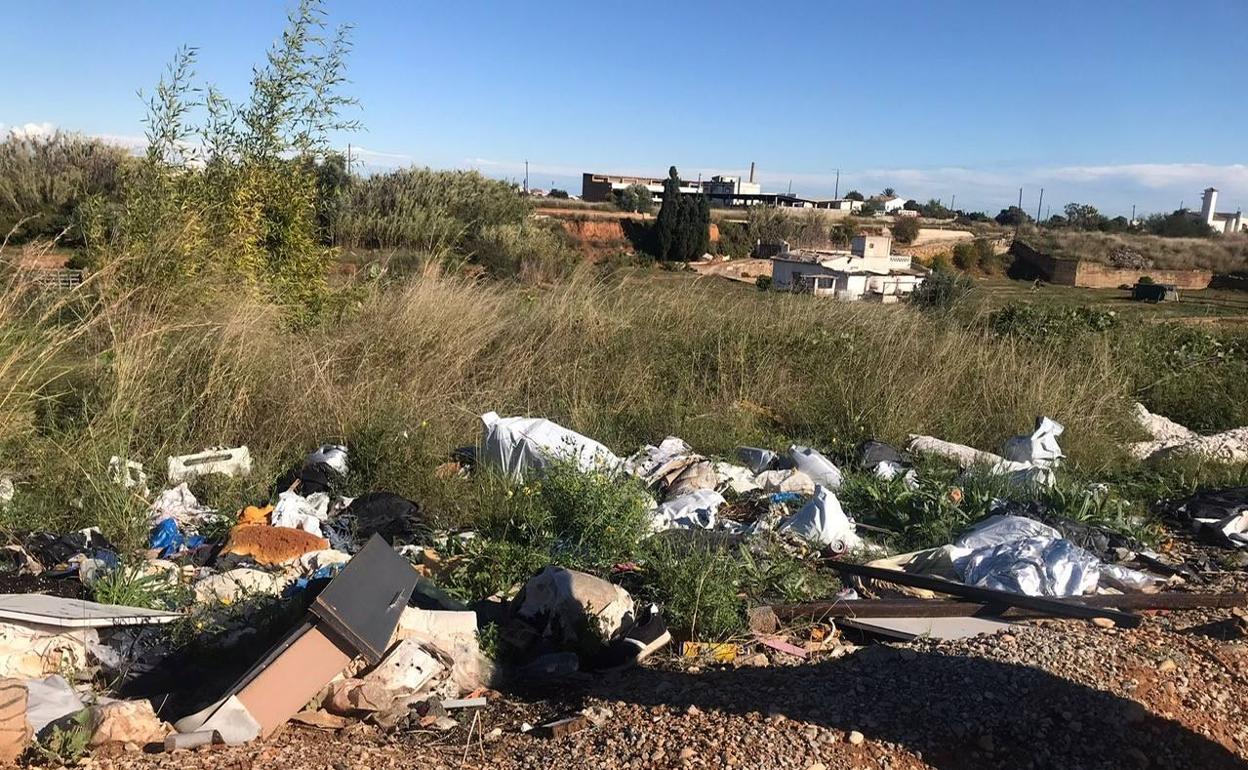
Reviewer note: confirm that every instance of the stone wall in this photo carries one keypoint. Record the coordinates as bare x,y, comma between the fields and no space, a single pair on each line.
1095,275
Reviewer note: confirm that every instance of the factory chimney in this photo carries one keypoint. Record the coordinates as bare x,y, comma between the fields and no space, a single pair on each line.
751,172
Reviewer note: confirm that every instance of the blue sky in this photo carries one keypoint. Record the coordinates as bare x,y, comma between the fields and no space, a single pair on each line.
1109,102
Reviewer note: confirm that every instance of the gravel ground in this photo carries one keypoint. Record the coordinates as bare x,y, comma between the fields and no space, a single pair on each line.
1052,694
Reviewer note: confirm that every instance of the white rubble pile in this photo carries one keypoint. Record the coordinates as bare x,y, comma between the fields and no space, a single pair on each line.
1170,439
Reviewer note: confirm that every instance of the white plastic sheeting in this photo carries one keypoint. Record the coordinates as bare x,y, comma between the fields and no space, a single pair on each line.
791,480
1040,448
1035,566
736,478
821,470
517,446
1022,555
333,455
179,504
756,459
823,522
695,510
299,512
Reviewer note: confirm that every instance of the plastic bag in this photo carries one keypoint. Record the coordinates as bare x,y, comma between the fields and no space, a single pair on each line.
518,446
1040,448
820,469
695,510
822,522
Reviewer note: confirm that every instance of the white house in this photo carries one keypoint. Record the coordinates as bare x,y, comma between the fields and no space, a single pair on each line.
888,203
869,270
1222,222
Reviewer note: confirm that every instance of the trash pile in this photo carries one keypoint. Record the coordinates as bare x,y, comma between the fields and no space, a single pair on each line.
324,608
1170,439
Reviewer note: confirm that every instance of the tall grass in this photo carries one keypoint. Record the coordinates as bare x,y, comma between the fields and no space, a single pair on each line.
402,375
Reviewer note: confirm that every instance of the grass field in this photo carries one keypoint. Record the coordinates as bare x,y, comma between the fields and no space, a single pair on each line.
1220,305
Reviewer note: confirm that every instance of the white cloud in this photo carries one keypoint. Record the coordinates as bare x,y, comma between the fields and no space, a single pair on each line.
32,130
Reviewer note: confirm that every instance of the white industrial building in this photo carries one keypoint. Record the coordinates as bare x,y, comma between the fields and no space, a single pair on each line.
1223,222
869,270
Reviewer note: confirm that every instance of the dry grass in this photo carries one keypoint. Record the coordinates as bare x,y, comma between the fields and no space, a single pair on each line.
1223,255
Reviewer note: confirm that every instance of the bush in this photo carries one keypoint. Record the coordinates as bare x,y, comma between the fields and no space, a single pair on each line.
734,240
941,290
763,282
905,229
634,198
557,194
532,251
1049,325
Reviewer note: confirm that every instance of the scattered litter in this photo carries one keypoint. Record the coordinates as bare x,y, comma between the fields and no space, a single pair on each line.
1218,516
790,480
126,722
822,522
517,446
562,727
561,603
272,545
756,459
298,512
15,733
780,645
178,504
128,474
50,700
1170,439
723,652
695,510
52,611
907,629
464,703
227,462
1040,449
820,469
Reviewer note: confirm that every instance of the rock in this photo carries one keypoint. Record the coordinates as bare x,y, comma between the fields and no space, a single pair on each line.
1167,665
126,722
235,585
763,620
14,732
687,753
816,766
1103,623
856,738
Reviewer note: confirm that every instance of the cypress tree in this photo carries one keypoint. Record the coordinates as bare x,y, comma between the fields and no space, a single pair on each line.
666,226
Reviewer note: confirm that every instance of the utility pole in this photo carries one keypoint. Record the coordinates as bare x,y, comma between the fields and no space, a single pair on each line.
1038,205
526,177
348,159
1133,215
836,191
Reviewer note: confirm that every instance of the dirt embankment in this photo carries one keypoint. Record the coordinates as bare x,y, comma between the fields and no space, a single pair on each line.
602,234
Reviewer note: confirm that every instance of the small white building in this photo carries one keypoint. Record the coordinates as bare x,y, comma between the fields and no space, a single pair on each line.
839,204
869,270
888,203
1222,222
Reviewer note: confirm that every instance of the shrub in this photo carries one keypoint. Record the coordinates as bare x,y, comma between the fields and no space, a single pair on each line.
941,290
558,194
697,585
905,229
531,251
734,240
1048,325
763,282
